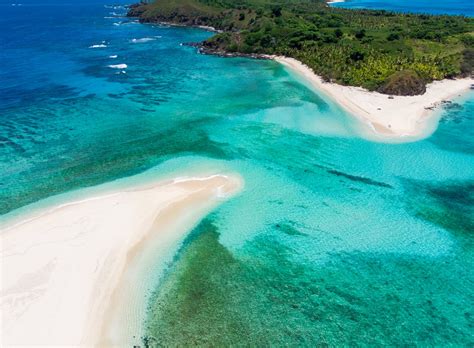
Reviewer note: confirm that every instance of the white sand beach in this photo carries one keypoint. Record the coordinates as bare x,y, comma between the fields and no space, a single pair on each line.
60,269
394,117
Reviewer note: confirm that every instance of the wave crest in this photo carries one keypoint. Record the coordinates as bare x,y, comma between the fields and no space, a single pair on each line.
144,39
118,66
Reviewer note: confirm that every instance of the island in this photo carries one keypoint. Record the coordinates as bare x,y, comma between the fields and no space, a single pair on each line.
388,69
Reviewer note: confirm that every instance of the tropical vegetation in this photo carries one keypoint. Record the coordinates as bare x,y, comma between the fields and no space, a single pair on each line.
390,52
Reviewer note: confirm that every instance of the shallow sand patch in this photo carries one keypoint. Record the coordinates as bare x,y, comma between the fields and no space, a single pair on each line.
60,269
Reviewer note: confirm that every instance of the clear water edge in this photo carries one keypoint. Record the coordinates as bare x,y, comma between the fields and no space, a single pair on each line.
319,202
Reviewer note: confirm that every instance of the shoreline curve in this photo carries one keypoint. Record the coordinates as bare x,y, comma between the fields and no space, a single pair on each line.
399,118
61,270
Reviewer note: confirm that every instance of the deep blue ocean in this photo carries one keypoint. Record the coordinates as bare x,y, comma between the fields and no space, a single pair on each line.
335,240
451,7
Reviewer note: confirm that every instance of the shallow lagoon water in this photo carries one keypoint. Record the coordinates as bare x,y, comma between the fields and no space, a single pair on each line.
334,240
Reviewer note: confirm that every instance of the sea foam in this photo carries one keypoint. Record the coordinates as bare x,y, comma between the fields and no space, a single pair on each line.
114,7
142,40
98,46
118,66
115,14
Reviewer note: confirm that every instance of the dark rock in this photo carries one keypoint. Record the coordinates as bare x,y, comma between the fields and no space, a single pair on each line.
405,82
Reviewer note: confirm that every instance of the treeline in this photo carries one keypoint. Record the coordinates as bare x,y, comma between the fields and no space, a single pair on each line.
373,49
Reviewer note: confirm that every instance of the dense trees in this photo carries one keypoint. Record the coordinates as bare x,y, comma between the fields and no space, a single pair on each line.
378,50
467,65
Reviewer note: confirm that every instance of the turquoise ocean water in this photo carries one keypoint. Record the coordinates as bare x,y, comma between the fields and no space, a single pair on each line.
334,241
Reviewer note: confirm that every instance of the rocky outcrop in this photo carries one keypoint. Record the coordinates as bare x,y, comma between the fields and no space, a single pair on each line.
405,82
136,10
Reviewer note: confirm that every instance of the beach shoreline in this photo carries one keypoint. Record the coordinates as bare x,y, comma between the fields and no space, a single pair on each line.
398,118
61,269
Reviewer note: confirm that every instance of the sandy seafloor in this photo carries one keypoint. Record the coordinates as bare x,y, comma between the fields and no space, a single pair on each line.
333,239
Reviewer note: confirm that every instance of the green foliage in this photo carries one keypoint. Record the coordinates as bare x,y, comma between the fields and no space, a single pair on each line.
353,47
468,39
276,11
405,82
393,37
360,34
467,65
